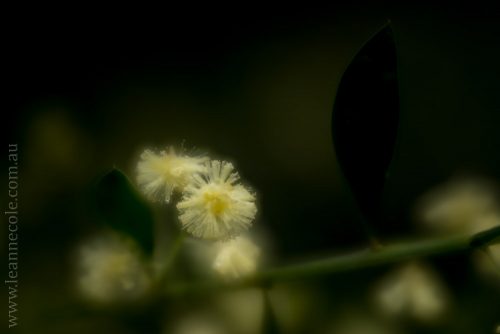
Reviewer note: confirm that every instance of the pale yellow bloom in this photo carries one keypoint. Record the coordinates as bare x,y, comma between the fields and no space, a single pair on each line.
457,206
413,290
487,260
110,269
160,174
215,205
229,312
243,310
467,207
485,222
202,323
236,258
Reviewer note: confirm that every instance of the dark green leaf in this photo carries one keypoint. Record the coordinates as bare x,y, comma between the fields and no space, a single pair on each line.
365,119
122,209
486,237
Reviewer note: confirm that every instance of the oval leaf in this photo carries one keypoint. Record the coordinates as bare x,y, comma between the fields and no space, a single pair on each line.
123,210
365,119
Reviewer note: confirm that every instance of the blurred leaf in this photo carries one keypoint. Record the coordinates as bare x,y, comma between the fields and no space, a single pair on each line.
487,237
122,209
365,119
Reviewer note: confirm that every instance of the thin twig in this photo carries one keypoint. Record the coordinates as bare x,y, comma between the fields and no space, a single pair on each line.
171,258
344,263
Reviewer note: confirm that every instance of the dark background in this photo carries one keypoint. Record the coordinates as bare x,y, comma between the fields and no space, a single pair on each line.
90,93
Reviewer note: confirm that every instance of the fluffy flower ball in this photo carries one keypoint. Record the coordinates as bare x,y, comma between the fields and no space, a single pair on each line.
215,205
236,258
413,290
110,270
159,174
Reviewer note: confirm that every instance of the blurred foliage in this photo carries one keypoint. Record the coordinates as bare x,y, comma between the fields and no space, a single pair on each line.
121,207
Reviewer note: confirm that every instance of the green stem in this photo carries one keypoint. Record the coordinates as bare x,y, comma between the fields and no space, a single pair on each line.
174,251
171,258
344,263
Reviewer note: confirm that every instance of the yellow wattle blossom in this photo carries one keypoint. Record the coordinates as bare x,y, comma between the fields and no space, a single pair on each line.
457,206
487,260
215,205
110,269
199,323
236,258
160,174
466,206
412,290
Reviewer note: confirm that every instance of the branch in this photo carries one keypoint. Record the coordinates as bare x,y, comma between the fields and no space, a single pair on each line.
344,263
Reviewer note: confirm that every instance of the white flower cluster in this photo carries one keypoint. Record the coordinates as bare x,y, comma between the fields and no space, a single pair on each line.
214,204
460,206
236,257
413,290
159,174
110,269
465,206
